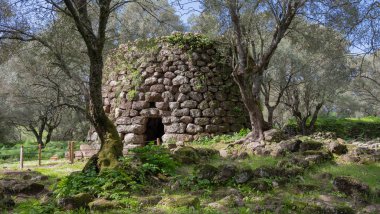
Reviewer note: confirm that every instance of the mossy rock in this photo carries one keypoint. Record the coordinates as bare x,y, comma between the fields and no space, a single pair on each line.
206,171
351,186
149,200
207,152
180,201
75,202
6,202
231,201
261,185
186,155
310,145
102,204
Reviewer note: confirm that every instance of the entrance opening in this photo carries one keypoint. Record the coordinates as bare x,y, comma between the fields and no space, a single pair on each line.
154,129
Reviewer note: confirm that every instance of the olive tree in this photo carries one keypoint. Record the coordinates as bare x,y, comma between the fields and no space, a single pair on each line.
323,73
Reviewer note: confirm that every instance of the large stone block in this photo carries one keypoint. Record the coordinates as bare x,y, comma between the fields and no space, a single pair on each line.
168,138
175,128
123,121
135,128
189,104
179,80
195,113
209,112
186,119
139,120
153,97
134,139
202,121
139,105
150,112
181,112
196,96
212,128
193,129
159,88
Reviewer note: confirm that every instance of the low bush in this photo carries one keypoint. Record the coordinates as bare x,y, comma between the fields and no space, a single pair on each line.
155,159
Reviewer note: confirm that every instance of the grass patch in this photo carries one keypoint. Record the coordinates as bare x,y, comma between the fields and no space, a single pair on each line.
348,128
368,174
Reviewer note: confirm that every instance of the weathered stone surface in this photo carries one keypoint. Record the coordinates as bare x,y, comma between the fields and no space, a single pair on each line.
274,135
201,121
139,105
189,104
209,112
186,119
195,113
132,138
139,120
180,201
150,112
181,112
179,80
193,129
337,148
351,186
175,128
186,155
176,137
137,129
185,88
123,121
157,88
103,205
171,83
80,200
207,171
153,97
211,128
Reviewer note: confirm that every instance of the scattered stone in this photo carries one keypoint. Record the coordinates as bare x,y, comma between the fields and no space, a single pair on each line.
310,145
180,201
207,171
149,200
292,145
102,205
273,135
260,185
186,155
75,202
223,192
337,148
6,202
243,176
225,173
351,186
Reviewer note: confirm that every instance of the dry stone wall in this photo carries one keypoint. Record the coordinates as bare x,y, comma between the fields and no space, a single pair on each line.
181,80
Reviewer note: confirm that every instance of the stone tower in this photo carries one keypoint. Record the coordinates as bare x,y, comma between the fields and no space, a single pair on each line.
175,88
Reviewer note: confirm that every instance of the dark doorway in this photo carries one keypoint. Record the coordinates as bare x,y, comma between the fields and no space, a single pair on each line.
154,129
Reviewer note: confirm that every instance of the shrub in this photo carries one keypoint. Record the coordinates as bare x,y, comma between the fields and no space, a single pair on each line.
155,159
112,184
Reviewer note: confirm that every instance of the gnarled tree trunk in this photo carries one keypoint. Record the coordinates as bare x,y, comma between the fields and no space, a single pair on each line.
111,144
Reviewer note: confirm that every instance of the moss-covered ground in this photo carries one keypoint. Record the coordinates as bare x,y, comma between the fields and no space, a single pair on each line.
180,189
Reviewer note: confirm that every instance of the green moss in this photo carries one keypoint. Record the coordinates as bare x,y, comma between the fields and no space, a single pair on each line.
190,40
112,148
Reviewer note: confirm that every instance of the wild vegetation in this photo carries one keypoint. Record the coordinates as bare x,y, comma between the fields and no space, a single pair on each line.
306,71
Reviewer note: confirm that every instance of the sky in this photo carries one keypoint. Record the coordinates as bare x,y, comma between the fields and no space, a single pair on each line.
186,9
